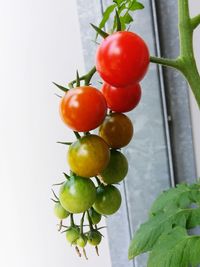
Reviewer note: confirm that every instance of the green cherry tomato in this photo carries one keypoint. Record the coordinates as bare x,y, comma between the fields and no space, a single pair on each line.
82,241
94,238
108,200
116,169
116,130
77,194
95,216
60,212
88,156
72,234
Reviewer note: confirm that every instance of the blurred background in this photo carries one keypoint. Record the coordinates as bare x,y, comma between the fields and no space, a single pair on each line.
41,42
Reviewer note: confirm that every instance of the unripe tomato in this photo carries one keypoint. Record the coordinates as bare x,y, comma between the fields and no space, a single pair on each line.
77,194
88,156
94,238
60,212
82,241
72,234
95,216
116,169
122,99
108,200
116,130
83,108
122,59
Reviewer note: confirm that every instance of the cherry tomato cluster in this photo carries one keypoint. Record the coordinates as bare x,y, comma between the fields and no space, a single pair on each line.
95,160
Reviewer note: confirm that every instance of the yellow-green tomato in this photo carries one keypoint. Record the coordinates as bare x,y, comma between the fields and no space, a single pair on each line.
108,200
82,241
94,238
116,169
60,212
72,234
88,156
77,194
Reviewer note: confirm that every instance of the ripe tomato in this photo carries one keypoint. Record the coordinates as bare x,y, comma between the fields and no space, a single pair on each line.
95,216
72,234
116,169
88,156
60,212
83,109
116,130
77,194
122,99
122,59
94,238
108,200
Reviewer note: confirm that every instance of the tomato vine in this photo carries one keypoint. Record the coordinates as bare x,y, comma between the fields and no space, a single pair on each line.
95,161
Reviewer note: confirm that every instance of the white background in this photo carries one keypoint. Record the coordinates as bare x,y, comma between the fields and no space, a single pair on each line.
39,43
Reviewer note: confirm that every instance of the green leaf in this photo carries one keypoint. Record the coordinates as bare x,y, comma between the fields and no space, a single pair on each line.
64,89
106,15
149,233
136,6
127,18
99,31
176,249
181,196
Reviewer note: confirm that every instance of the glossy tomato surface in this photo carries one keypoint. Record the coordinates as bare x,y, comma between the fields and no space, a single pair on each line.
83,108
122,59
116,169
116,130
77,194
121,99
88,156
108,200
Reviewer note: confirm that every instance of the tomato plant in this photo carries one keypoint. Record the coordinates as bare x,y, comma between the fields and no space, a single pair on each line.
77,194
122,99
122,59
116,169
108,200
83,109
88,156
116,130
94,238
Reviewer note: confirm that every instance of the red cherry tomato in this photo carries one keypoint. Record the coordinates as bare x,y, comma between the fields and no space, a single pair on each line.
122,59
122,99
83,108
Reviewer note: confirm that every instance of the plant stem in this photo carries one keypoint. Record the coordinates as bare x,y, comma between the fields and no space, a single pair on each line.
173,63
186,62
195,22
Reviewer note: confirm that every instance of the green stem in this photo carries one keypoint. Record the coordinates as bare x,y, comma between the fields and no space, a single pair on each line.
195,22
87,78
72,220
90,221
186,62
173,63
81,223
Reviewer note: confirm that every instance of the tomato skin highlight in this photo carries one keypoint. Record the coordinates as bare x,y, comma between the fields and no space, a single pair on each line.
117,130
122,59
77,194
83,108
116,169
88,156
122,99
108,200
